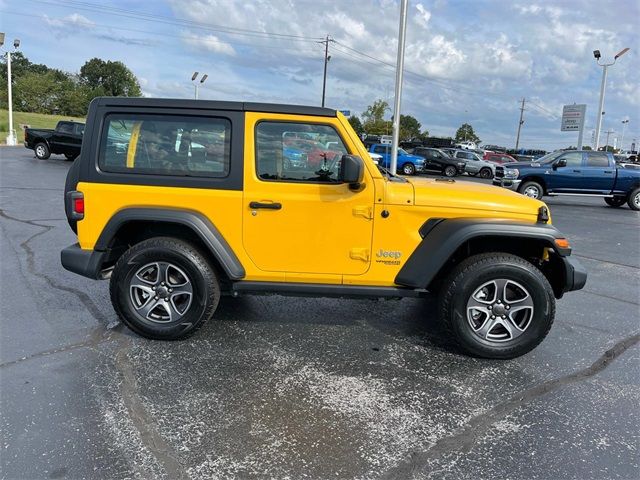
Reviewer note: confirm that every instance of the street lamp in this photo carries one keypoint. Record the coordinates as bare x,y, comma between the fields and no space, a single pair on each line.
596,55
624,126
11,138
197,84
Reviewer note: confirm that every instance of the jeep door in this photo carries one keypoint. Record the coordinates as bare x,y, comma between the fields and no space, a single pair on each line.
597,173
303,220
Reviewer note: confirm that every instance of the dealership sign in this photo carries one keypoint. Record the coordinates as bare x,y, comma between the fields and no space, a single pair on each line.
573,118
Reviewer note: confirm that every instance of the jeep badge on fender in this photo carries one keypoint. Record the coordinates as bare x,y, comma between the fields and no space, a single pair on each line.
179,201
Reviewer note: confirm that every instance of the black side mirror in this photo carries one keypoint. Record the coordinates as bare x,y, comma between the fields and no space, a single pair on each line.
560,163
352,171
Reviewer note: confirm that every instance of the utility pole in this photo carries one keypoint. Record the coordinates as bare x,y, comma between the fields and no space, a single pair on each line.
327,57
520,122
608,132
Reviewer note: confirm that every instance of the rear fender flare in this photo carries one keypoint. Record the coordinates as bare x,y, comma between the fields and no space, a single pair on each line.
198,223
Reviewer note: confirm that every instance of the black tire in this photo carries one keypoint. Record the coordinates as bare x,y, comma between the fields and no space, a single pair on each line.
529,188
486,173
70,156
183,259
615,201
467,280
42,151
408,169
634,200
450,171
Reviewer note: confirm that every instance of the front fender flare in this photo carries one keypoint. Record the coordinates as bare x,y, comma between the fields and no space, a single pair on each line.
441,239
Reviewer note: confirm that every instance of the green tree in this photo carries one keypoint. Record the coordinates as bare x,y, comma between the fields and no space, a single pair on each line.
356,124
466,133
374,122
110,78
410,129
38,93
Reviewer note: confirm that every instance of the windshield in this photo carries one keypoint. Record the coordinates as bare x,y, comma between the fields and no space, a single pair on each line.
402,151
549,157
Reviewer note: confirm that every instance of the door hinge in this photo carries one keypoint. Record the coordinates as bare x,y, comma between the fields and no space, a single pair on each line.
359,254
366,212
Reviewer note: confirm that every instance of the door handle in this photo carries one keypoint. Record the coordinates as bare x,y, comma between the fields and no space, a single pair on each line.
608,171
268,206
577,171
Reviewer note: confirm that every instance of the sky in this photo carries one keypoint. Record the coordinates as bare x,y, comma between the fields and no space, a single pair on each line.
466,60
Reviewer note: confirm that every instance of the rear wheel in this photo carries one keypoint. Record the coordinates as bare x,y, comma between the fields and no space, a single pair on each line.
634,200
497,305
42,151
615,201
408,169
531,189
164,289
450,171
486,173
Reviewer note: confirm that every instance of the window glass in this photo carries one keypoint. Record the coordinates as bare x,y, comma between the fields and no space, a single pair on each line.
574,159
597,159
65,128
166,145
79,129
311,155
380,149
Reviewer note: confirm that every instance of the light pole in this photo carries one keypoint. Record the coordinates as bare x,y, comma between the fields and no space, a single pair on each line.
197,84
398,93
11,138
624,126
596,54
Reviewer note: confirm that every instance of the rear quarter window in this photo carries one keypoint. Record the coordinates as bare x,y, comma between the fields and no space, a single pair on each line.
165,145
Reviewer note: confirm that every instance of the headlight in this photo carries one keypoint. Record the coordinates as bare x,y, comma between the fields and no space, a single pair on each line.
511,172
461,164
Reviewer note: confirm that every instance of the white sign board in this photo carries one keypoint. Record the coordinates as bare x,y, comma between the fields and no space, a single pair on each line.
573,118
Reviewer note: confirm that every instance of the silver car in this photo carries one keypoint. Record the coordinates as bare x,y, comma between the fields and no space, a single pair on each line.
475,164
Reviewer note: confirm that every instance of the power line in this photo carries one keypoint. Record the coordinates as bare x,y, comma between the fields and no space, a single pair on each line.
121,12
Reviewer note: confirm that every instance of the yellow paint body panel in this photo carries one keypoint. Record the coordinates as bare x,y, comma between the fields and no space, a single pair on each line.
324,233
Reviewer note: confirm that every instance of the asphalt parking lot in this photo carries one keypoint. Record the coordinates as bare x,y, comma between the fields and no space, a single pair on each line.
307,388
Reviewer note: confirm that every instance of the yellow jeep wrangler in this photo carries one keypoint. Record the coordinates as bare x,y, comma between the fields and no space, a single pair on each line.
180,201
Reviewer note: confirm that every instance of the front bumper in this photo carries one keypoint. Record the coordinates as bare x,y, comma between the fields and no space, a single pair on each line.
575,274
87,263
507,183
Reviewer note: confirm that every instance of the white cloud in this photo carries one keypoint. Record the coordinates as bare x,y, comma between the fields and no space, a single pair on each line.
208,42
424,15
72,21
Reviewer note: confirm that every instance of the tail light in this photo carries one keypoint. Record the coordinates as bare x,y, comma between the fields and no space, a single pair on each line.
75,205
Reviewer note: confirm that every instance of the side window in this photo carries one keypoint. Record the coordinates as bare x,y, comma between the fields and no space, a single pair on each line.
315,159
78,129
597,159
574,159
65,128
166,145
380,149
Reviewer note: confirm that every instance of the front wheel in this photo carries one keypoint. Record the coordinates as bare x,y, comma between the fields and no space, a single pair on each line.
486,173
408,169
615,201
450,171
164,289
42,151
497,305
531,189
634,200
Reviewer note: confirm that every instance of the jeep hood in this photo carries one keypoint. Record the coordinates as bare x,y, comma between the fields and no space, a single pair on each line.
471,196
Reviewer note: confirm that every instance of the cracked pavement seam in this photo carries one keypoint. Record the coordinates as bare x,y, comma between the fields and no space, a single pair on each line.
83,297
465,438
150,437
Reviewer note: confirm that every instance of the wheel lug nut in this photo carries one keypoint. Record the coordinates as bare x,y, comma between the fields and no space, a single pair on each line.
504,316
493,316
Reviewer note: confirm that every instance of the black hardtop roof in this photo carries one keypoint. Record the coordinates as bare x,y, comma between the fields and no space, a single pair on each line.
214,105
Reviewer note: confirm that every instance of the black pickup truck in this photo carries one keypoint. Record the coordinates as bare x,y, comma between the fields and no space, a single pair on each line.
65,140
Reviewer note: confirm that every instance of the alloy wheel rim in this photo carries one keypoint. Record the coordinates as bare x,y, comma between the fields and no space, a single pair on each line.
531,192
40,151
636,200
449,172
161,292
408,169
500,310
